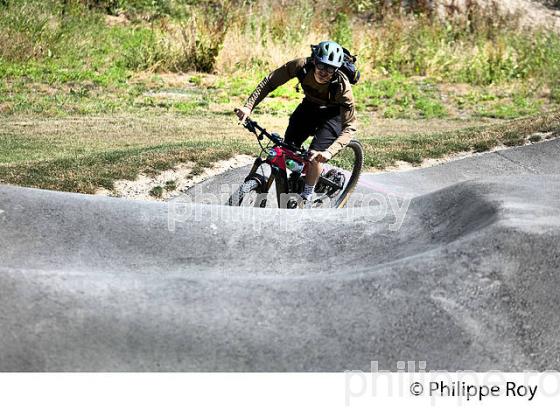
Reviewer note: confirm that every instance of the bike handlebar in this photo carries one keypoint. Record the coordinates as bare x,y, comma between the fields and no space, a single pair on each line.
261,132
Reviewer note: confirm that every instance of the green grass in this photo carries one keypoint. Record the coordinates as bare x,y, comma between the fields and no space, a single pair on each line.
520,106
82,154
73,63
88,172
384,151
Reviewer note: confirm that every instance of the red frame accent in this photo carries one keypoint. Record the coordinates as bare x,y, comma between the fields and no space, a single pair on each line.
283,154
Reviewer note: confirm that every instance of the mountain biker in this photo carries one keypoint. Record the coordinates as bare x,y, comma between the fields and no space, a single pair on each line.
327,111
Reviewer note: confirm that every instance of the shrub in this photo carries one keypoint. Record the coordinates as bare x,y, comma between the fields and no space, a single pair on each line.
342,31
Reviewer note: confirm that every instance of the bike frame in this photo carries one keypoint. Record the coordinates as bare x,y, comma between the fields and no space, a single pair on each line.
278,155
278,172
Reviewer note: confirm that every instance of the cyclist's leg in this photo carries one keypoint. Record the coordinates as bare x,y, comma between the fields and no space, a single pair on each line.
303,123
326,134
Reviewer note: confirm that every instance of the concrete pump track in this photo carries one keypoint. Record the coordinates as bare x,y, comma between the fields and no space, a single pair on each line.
456,265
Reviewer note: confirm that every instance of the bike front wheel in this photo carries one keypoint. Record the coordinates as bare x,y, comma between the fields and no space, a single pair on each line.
248,194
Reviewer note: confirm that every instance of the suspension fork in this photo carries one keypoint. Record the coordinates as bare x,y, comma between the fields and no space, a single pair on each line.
281,178
264,182
254,175
277,175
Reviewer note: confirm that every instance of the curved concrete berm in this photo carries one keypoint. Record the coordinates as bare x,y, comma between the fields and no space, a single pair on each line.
468,279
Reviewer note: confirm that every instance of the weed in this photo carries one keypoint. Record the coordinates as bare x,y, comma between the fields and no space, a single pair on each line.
196,80
482,146
156,191
171,185
535,138
197,170
512,138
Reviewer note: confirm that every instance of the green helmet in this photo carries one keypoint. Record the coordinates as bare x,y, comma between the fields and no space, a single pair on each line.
328,52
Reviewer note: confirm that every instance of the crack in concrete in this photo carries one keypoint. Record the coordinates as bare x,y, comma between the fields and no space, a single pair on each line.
528,168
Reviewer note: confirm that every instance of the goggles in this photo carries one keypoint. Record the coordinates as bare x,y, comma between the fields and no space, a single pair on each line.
325,68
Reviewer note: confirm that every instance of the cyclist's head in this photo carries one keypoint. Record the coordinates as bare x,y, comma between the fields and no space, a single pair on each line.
328,53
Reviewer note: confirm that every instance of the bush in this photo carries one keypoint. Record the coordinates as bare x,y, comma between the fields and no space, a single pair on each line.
478,47
135,9
342,31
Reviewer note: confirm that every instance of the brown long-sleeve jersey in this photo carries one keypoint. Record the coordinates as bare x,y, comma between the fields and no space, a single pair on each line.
315,93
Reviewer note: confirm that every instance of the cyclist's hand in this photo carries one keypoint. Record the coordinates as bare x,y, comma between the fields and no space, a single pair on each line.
242,114
320,156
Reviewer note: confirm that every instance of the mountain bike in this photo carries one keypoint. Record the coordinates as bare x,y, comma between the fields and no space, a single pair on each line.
287,164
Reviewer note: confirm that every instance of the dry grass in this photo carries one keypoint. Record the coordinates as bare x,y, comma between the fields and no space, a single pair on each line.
37,139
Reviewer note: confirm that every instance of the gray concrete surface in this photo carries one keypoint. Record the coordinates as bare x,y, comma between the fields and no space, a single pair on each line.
469,282
536,159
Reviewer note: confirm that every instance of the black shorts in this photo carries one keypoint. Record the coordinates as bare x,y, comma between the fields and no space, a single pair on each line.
308,119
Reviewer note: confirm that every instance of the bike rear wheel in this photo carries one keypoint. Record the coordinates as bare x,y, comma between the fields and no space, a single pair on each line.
348,164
